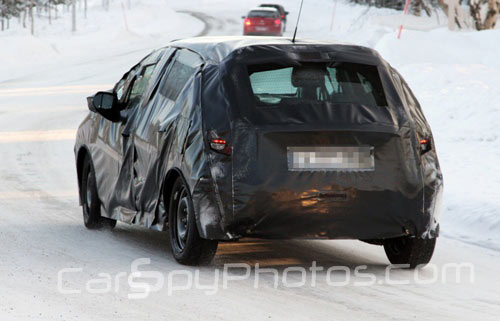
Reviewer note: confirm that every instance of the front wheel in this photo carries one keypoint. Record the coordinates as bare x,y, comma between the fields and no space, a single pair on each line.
187,246
410,251
90,200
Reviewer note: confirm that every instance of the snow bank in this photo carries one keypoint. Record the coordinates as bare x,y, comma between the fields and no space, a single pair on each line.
442,46
456,77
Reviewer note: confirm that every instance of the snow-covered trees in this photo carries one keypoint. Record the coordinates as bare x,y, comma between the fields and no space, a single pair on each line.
8,10
29,10
25,10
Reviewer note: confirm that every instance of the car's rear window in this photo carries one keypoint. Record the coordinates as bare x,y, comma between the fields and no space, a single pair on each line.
263,14
337,83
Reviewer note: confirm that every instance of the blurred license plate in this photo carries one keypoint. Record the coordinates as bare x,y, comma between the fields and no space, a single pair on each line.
331,158
261,28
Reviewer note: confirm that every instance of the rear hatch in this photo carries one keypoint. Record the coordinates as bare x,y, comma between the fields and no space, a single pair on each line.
321,146
257,22
375,190
319,152
262,21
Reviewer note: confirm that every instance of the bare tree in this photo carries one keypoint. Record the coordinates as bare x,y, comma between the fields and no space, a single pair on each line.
32,16
455,13
418,5
73,16
25,16
49,12
491,17
492,14
3,11
8,10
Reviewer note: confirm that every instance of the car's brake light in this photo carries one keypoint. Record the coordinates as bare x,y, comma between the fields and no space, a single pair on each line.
218,144
248,22
277,22
425,145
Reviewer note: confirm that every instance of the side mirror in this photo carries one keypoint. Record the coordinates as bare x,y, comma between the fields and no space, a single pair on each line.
106,104
286,13
243,17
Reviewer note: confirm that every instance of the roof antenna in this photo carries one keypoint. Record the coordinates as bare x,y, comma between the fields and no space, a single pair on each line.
298,19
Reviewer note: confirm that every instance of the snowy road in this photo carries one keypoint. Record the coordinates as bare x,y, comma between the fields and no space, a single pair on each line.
42,233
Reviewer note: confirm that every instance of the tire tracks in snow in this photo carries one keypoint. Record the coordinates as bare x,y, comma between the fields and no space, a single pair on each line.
211,23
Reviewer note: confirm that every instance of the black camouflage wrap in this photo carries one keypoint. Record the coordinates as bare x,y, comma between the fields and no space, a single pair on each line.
250,192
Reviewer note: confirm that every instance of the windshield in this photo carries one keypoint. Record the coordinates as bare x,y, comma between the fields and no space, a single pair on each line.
335,83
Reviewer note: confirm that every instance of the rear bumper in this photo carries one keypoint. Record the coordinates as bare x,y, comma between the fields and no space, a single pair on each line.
269,33
362,215
249,31
265,199
342,214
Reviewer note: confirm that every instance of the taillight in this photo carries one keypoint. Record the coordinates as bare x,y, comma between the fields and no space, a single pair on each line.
425,145
277,22
218,144
247,22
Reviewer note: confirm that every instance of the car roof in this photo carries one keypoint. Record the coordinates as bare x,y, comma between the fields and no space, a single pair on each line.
270,9
215,49
272,4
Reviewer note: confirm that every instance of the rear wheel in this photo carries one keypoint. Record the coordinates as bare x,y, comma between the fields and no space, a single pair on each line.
187,246
411,251
91,204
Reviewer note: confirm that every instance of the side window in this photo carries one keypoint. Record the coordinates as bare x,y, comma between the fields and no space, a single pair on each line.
141,84
416,113
132,86
119,89
414,106
184,67
122,86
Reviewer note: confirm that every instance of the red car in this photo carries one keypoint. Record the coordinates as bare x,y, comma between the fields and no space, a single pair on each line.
263,22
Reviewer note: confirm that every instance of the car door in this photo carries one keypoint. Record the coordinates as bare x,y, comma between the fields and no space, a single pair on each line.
114,140
163,127
108,146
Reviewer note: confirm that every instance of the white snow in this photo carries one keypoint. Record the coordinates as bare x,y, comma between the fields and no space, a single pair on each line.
104,34
456,77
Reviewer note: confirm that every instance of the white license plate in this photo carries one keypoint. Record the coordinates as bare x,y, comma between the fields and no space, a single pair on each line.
260,28
331,158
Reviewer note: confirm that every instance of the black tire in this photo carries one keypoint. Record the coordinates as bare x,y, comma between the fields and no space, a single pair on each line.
408,250
188,247
91,204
